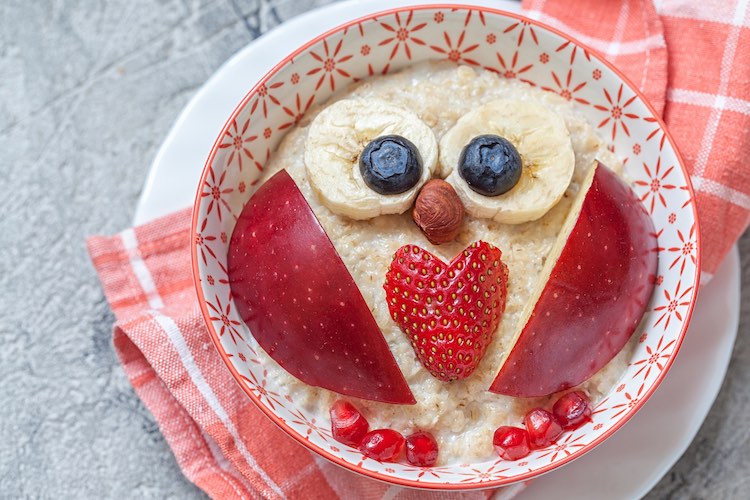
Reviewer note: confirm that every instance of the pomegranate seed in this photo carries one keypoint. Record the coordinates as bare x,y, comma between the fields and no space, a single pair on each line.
511,443
382,444
348,426
572,409
421,449
543,428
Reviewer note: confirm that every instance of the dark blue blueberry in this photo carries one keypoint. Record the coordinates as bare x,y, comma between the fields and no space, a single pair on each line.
490,165
390,164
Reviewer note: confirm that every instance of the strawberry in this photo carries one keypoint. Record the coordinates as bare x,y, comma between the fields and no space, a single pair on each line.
449,312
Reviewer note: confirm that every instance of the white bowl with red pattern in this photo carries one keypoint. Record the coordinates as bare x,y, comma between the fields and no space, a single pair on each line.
515,47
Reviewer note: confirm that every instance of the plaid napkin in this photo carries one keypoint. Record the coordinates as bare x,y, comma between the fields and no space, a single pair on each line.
222,442
691,59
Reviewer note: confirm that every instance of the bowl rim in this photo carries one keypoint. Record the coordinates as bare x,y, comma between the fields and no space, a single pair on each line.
399,481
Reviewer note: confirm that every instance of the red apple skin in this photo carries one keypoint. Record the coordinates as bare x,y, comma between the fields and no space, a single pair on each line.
301,304
595,297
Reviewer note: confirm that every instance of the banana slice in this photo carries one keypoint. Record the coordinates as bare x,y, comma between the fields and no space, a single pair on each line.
337,137
542,140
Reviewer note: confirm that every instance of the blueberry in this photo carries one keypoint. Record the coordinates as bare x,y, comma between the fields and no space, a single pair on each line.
490,165
390,164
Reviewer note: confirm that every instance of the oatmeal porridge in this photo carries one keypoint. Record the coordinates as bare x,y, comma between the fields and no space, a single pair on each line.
462,415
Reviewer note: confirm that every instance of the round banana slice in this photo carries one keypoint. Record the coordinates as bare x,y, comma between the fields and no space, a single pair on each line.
542,140
335,141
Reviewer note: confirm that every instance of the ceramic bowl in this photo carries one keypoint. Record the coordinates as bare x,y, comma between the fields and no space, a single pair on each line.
515,47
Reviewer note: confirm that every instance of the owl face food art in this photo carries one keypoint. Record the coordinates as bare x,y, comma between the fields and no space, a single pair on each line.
439,257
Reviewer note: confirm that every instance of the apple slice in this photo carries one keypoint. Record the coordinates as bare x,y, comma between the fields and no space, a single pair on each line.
593,291
300,302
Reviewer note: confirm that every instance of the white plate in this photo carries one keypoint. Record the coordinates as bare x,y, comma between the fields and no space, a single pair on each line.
630,463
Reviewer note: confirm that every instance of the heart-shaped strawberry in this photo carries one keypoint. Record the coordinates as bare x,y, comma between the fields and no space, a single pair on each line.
448,311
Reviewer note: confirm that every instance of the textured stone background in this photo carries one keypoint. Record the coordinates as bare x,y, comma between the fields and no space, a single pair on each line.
88,90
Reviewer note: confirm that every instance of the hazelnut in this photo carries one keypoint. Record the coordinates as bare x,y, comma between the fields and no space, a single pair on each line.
438,211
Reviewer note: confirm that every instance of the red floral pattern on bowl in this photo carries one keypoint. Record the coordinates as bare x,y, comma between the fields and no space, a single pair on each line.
514,47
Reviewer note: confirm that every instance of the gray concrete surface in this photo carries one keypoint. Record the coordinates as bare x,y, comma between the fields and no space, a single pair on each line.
87,92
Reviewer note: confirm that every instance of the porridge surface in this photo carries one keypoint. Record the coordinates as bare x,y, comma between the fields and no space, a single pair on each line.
462,415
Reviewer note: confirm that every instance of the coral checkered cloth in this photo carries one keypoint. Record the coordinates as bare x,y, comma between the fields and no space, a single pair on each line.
691,57
222,442
692,60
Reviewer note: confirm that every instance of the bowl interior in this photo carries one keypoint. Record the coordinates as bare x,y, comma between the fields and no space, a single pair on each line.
515,47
